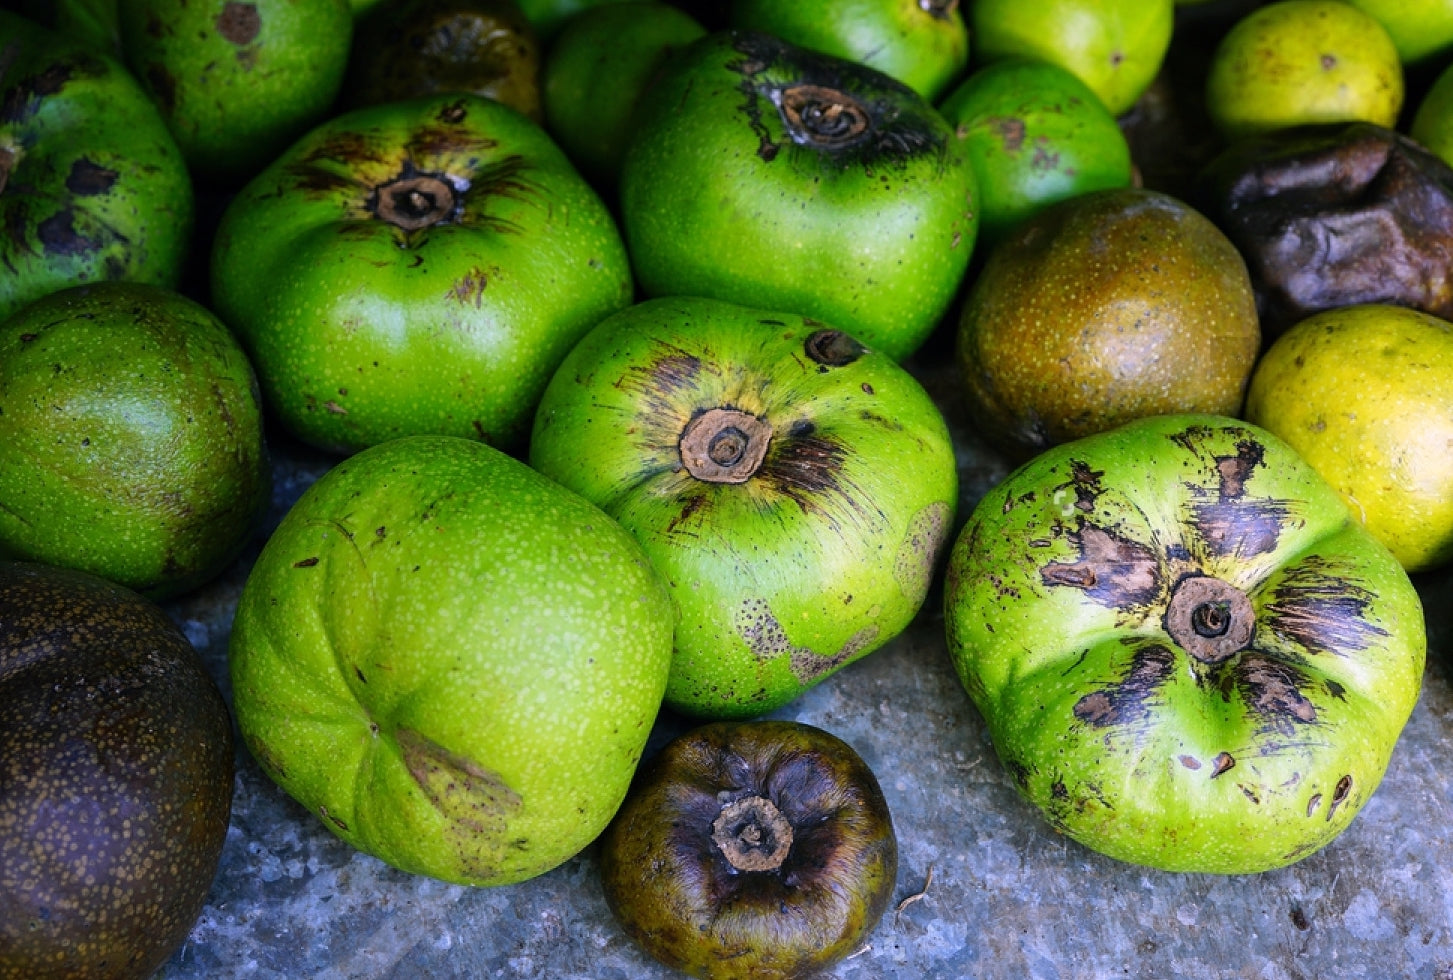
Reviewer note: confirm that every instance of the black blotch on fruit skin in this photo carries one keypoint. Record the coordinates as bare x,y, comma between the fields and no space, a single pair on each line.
1113,570
1272,689
88,179
23,100
1320,610
59,237
1131,699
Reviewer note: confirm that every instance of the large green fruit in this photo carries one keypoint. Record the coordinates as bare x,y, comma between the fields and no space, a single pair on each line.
1035,135
237,81
131,442
768,175
451,660
92,185
115,779
416,267
922,43
792,487
1188,654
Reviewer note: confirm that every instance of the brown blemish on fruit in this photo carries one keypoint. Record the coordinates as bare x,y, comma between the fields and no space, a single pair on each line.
453,114
1231,522
1340,792
473,799
1132,698
469,288
913,564
1010,131
306,562
1112,570
832,348
163,86
239,23
58,235
764,635
1313,803
1272,689
804,466
1222,762
938,9
1190,762
22,100
88,179
1320,610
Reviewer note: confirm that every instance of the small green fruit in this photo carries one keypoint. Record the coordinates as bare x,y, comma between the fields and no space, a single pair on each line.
1188,654
131,442
116,763
451,660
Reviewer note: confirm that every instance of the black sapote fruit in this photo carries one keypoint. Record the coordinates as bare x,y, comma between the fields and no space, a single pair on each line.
116,764
759,849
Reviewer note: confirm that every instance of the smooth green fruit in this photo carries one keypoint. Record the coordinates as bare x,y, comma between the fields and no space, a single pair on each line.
131,440
1432,124
549,16
1298,62
792,487
92,185
1104,308
597,68
451,660
1114,46
922,43
1035,134
1188,654
116,764
1420,29
416,267
771,176
237,81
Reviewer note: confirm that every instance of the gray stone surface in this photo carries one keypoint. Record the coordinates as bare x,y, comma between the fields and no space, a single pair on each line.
1009,897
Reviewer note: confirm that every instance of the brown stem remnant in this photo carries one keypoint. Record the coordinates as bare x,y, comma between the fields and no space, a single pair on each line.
942,9
752,834
822,116
414,202
1209,618
724,445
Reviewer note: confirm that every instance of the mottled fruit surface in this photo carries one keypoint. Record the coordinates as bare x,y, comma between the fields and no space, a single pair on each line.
793,487
750,850
1188,653
1365,394
131,437
1103,308
115,779
92,185
451,660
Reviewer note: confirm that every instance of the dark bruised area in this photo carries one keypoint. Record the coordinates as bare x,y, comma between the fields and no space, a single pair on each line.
239,23
1231,522
845,113
763,633
1130,700
832,348
1318,609
1272,689
88,179
732,823
1112,570
22,100
939,9
58,236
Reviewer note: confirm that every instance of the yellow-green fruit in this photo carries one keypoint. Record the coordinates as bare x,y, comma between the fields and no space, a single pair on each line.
1365,394
1433,122
1419,28
1114,46
1303,61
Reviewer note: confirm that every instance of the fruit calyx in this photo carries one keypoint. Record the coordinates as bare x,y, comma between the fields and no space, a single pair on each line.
1209,618
724,445
940,9
752,834
824,117
413,201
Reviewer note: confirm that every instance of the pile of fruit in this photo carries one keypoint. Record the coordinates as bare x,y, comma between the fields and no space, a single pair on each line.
612,319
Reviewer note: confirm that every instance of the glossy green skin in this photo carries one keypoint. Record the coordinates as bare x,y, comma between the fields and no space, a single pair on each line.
1055,605
237,81
595,73
926,49
451,660
1432,124
1035,134
362,331
96,189
1114,46
821,557
131,440
718,200
93,21
549,16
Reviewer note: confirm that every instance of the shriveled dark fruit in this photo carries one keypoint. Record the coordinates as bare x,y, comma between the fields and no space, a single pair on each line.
1336,215
1101,309
116,765
403,49
760,850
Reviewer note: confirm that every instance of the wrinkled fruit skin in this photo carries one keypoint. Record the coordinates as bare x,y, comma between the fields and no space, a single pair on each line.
1187,653
116,764
237,81
674,889
92,185
813,544
771,176
416,267
1103,308
450,660
922,43
404,49
131,437
1334,216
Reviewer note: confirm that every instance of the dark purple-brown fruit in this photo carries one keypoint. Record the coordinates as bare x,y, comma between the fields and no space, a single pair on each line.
759,849
116,766
405,49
